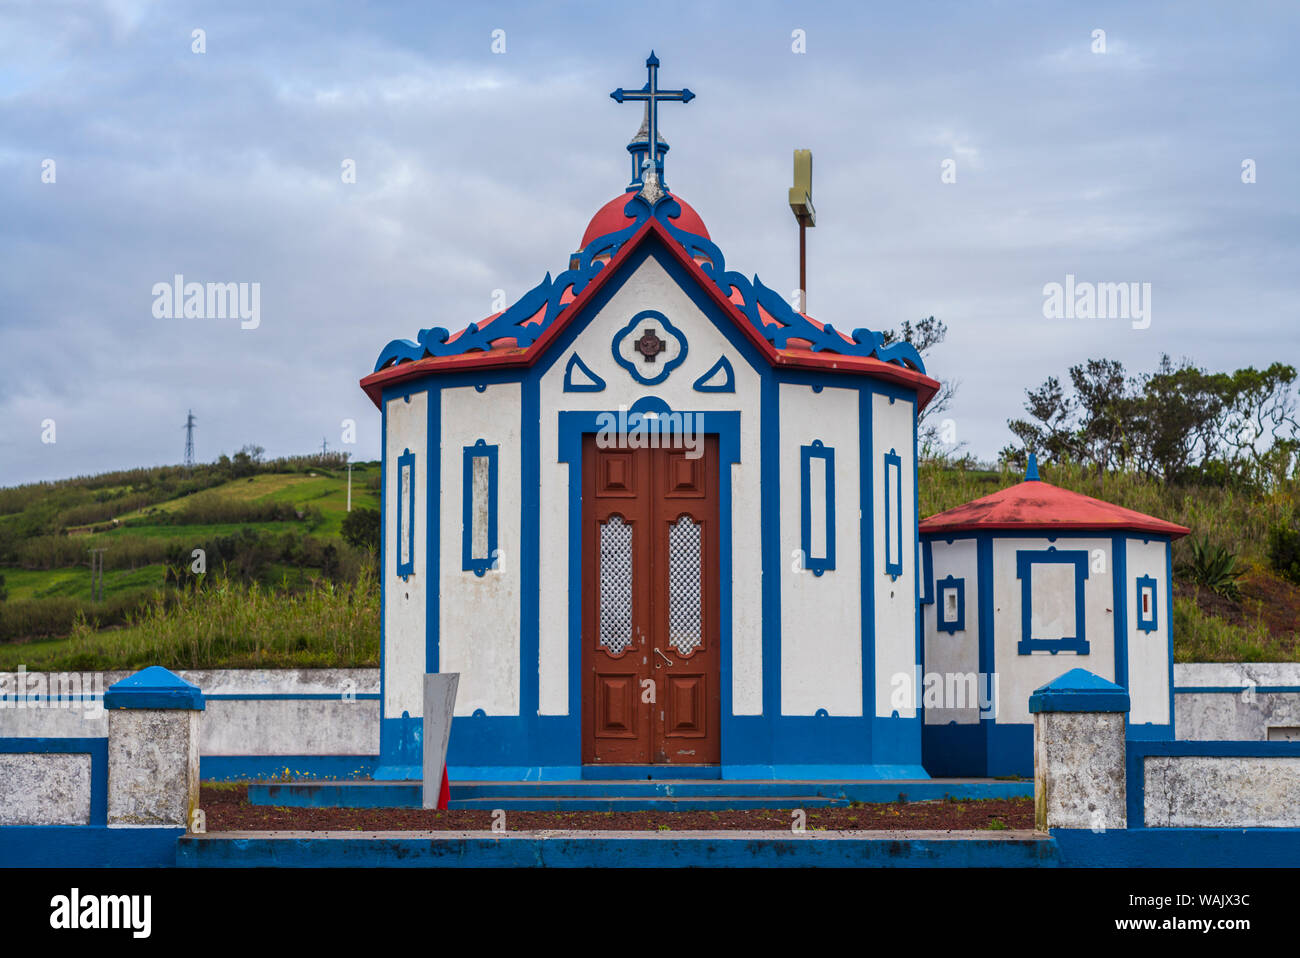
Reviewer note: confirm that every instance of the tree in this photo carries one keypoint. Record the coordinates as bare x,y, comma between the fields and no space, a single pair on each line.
1051,437
1178,423
1260,419
924,335
1176,419
1106,411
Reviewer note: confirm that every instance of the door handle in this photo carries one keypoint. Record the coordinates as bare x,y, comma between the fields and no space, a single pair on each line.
662,656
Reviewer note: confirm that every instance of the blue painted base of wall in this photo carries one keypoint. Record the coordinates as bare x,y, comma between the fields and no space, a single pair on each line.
984,749
739,850
565,773
1010,749
338,794
483,773
954,751
401,773
87,846
826,773
251,768
608,773
993,749
1150,733
1180,848
748,743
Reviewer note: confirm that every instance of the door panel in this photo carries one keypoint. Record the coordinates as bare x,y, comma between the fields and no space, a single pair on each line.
651,690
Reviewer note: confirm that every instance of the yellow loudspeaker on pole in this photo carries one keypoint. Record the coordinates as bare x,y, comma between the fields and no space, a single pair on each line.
801,205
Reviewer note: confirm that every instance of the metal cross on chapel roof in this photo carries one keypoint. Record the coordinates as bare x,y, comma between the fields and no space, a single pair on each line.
651,95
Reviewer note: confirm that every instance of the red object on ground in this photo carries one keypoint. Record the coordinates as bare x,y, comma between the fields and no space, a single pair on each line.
444,793
1034,504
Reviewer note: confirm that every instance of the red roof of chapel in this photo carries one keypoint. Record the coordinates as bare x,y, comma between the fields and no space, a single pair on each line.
506,353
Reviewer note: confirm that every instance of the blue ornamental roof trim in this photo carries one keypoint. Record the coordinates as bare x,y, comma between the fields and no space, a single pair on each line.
548,293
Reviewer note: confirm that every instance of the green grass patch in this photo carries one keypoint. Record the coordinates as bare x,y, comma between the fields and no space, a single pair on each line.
75,583
227,625
1201,637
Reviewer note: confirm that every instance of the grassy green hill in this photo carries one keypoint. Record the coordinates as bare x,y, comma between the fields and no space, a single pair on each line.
277,525
284,588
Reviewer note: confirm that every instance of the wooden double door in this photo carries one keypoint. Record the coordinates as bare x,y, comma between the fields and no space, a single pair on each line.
650,664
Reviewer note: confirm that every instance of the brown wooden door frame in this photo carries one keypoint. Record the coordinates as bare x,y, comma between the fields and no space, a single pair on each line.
649,490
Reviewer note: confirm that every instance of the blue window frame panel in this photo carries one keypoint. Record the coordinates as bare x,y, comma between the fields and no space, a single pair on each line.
479,510
950,608
405,512
893,490
1029,643
1146,603
817,564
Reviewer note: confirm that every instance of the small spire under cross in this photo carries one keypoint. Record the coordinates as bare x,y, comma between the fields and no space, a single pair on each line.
651,95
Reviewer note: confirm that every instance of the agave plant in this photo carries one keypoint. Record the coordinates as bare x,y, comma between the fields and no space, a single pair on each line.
1214,567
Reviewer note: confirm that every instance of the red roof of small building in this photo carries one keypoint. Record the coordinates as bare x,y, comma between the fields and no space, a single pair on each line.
1040,506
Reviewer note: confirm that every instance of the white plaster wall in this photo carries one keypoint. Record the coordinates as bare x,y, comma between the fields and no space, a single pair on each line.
404,599
1204,791
954,653
1148,652
345,725
893,427
821,616
44,789
1242,714
1018,675
650,287
478,616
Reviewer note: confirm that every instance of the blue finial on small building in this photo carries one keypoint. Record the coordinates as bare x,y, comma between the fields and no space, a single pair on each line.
648,150
1031,470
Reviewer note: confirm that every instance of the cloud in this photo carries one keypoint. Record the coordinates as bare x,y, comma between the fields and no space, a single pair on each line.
478,172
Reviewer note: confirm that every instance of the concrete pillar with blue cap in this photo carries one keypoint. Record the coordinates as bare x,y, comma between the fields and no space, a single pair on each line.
153,749
1079,750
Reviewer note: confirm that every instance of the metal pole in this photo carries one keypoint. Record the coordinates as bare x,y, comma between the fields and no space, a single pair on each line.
803,269
349,486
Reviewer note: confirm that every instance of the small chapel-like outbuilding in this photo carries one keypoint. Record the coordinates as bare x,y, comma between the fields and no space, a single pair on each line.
1023,585
659,521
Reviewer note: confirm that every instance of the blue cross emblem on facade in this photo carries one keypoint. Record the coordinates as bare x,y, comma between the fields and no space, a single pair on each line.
651,95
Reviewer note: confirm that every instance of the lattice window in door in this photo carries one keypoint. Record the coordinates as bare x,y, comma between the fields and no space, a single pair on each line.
615,584
685,614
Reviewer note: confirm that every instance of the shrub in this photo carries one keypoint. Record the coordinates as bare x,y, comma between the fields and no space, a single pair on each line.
1214,567
361,529
1284,551
54,616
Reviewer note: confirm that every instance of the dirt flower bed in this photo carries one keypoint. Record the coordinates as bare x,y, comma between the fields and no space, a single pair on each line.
227,809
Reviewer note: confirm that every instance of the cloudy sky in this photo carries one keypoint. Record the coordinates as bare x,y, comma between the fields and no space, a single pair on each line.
478,171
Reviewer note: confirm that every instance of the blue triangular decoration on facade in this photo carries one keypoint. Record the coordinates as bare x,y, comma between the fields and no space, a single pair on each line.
728,383
593,384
